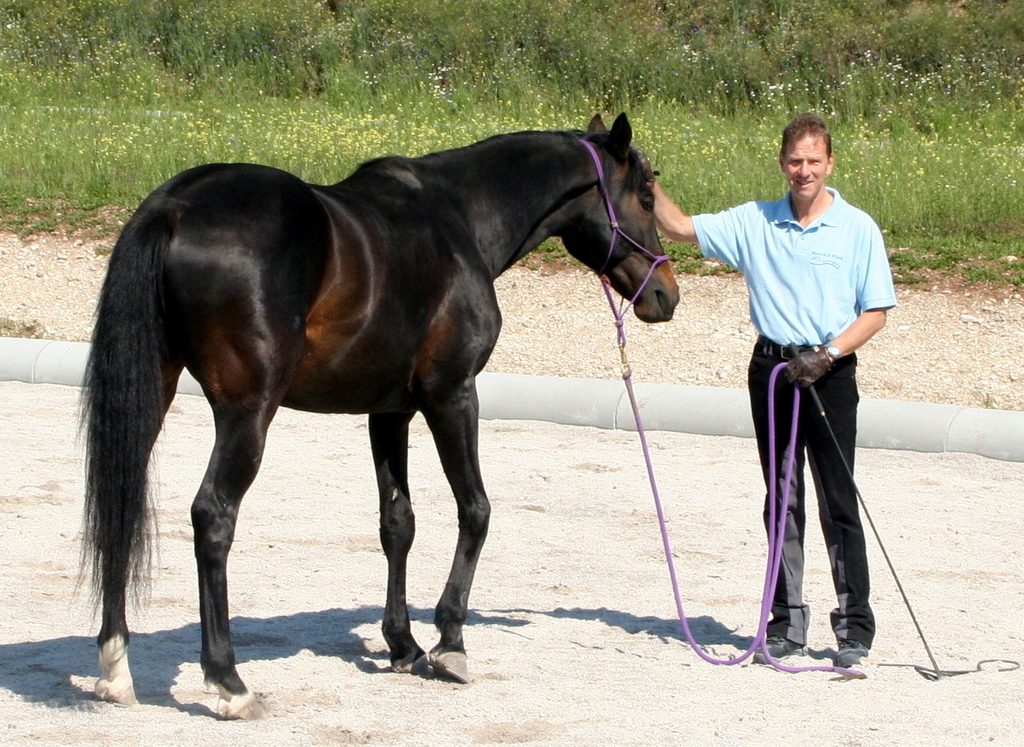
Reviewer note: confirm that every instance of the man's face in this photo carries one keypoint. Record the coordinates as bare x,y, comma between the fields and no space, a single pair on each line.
806,165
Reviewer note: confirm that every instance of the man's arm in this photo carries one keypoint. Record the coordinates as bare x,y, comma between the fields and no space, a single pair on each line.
673,222
811,365
863,329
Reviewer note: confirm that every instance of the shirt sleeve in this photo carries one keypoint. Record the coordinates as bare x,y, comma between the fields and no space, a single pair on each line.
876,289
722,236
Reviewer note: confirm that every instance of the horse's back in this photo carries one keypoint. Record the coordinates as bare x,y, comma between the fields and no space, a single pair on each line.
225,206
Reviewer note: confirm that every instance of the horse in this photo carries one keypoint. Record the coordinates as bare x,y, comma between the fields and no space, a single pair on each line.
371,296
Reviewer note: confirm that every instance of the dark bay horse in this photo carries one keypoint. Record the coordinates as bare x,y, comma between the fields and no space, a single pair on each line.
374,295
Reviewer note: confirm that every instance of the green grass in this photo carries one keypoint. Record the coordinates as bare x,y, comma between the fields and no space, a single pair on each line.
948,206
102,100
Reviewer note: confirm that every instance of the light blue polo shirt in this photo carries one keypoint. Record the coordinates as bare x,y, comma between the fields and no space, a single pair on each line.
805,285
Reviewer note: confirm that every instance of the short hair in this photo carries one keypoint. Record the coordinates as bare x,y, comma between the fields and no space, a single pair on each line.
803,125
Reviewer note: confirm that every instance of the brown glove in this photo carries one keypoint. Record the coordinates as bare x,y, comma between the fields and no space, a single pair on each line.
809,366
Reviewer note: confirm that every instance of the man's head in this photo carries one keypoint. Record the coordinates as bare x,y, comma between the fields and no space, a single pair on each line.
806,125
806,158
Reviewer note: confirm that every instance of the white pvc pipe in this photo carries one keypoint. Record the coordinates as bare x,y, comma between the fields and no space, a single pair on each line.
711,411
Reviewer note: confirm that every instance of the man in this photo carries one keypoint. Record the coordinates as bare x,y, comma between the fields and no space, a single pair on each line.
819,286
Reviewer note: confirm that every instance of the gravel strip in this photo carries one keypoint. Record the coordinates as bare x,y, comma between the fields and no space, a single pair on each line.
960,346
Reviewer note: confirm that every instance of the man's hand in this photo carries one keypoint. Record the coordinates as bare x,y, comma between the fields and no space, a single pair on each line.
809,366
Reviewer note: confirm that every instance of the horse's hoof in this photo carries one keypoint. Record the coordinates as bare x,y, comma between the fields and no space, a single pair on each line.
416,663
451,665
115,684
120,690
245,707
421,667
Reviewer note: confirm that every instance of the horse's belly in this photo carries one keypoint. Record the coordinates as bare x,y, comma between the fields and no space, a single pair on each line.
340,402
354,383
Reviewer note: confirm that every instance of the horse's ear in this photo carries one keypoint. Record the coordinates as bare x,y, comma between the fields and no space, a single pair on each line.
596,125
621,137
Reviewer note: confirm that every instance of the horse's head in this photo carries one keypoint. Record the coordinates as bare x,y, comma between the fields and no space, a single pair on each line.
615,234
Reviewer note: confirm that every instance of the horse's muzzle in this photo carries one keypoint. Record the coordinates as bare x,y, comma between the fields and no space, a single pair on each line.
658,300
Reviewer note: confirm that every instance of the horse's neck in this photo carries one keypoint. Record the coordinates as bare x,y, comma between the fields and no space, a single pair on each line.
514,203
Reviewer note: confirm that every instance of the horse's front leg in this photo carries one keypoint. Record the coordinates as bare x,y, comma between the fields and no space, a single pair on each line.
389,442
238,450
455,425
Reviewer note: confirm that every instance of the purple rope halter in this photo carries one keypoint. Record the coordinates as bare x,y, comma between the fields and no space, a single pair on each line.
656,259
776,508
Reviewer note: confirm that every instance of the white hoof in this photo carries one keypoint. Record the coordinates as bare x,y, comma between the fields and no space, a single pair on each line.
115,683
120,690
246,707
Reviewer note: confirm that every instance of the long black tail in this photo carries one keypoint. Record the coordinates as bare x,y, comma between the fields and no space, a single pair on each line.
123,408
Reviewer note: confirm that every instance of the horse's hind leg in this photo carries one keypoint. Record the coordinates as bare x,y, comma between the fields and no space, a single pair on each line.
389,441
241,435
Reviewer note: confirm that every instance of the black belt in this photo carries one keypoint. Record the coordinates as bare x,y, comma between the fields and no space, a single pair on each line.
782,352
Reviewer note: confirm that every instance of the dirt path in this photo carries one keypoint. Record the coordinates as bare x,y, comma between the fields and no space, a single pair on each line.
572,636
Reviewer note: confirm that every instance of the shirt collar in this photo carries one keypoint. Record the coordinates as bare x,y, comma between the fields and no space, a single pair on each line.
782,210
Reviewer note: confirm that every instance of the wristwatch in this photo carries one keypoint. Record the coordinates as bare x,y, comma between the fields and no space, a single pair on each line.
833,352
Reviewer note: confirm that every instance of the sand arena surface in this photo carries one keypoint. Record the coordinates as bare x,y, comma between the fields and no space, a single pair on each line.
572,634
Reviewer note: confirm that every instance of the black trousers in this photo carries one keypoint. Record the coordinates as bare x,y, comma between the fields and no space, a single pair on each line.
837,498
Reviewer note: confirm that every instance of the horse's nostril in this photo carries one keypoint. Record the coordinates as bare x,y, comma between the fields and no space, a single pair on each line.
666,302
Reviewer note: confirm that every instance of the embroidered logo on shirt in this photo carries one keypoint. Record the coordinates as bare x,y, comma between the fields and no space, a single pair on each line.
832,259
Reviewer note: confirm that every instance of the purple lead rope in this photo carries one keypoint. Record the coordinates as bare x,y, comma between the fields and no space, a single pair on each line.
776,513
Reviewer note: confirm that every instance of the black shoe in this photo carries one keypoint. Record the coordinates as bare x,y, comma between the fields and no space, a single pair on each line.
850,653
778,648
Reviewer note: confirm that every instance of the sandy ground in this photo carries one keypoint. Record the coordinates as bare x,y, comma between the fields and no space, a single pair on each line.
572,636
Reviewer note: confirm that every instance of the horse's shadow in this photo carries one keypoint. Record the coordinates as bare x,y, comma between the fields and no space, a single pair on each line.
47,671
